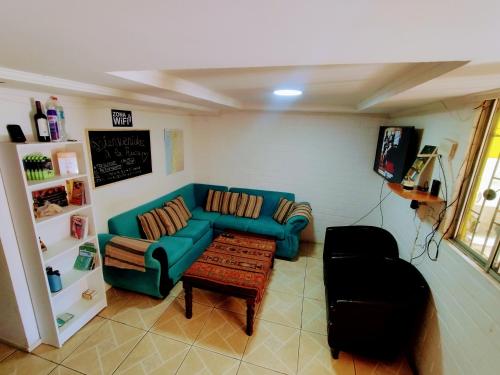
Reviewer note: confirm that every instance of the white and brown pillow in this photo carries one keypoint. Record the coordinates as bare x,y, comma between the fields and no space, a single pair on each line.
214,200
283,210
152,226
249,206
229,203
301,209
171,218
179,202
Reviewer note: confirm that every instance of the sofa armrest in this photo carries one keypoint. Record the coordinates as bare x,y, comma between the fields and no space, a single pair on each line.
296,224
154,258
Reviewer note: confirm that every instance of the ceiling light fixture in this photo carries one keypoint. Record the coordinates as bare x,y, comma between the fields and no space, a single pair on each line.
287,92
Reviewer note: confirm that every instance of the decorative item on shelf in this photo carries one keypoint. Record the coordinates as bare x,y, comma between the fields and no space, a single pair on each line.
86,257
63,318
38,167
68,163
42,245
89,294
16,133
76,192
47,202
54,278
79,226
420,173
48,209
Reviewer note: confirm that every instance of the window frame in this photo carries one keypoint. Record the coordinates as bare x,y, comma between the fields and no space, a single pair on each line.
486,265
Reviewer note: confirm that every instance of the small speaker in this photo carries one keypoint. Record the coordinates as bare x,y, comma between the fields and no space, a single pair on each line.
436,185
16,133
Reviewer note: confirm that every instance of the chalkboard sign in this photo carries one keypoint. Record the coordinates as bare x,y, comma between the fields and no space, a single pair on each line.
117,155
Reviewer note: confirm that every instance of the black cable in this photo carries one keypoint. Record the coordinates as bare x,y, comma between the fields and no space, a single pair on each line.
380,203
373,209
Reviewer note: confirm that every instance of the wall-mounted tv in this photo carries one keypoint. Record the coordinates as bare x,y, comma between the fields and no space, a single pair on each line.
396,150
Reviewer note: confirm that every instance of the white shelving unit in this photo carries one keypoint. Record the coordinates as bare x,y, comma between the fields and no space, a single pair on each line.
62,249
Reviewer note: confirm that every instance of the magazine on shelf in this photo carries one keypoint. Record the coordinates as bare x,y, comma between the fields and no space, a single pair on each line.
79,226
56,195
86,257
68,163
76,192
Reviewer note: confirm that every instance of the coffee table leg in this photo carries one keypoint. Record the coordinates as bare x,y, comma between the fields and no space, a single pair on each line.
250,315
188,297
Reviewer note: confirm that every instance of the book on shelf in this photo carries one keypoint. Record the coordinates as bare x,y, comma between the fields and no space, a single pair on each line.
68,163
86,258
76,192
55,195
79,226
63,318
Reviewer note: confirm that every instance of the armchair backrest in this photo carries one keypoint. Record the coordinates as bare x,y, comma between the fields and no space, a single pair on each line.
359,240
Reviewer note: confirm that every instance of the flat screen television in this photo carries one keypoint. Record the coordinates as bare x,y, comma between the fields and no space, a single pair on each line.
396,150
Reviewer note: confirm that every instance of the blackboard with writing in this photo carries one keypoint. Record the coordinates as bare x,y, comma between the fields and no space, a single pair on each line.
117,155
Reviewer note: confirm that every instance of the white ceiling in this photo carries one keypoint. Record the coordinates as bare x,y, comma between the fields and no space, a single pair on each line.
211,55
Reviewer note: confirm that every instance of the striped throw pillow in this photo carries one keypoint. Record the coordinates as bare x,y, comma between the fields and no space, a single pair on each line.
249,206
179,202
152,226
229,203
283,210
214,200
167,221
175,215
301,209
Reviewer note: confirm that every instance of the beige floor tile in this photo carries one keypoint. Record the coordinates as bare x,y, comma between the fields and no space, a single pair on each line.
315,357
201,361
174,324
237,305
281,308
314,268
314,288
204,297
154,355
273,346
60,354
61,370
296,266
5,351
288,282
224,333
142,311
249,369
117,301
370,366
314,316
24,363
104,350
311,249
176,290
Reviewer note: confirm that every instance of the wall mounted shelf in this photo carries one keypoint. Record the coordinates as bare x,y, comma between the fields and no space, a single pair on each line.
413,195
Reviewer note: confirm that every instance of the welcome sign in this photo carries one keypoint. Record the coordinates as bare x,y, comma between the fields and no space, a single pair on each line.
121,118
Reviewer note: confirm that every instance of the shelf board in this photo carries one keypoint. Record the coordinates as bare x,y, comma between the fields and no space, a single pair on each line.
71,278
66,211
42,184
61,247
414,195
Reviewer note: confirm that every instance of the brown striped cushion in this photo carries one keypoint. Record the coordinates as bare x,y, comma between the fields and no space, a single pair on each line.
229,203
126,253
166,220
249,206
179,202
301,209
283,210
174,213
152,225
214,200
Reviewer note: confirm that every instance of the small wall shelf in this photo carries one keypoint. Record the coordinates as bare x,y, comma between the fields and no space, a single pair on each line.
413,195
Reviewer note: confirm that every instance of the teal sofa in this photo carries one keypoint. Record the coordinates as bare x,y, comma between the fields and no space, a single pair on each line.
168,258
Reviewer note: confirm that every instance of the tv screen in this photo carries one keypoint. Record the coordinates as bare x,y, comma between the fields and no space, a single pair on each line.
396,150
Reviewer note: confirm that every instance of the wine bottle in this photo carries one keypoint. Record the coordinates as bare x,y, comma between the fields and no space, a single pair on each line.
41,125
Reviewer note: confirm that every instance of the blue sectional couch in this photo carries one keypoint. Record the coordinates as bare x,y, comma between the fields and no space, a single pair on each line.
168,258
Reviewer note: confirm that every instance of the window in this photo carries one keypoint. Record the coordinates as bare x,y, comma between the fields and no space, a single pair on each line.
479,229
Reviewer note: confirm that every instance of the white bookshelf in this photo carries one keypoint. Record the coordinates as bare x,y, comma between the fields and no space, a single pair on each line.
62,249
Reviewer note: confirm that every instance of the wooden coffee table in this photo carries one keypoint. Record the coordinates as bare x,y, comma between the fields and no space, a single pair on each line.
235,264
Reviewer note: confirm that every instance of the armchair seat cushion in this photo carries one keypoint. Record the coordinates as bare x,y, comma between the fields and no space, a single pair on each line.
267,226
194,230
200,214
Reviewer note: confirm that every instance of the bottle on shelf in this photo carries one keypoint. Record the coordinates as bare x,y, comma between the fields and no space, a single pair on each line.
54,103
41,125
53,125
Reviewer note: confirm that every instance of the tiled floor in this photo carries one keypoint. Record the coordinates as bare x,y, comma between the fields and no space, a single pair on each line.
136,334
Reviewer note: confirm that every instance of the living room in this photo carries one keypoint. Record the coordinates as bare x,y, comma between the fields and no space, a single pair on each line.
320,146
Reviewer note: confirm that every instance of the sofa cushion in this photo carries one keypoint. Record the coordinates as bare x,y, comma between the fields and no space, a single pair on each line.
151,225
200,214
179,202
224,222
283,209
266,226
176,247
249,206
271,198
229,203
300,209
194,230
214,201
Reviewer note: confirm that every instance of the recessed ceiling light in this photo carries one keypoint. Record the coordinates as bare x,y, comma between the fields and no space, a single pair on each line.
287,92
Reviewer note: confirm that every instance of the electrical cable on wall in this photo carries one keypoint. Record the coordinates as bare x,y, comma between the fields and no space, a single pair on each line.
377,205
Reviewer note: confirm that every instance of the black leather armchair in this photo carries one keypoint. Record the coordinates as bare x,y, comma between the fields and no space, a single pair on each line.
374,299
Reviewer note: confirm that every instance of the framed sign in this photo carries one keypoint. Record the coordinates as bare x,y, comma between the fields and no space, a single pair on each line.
121,118
117,155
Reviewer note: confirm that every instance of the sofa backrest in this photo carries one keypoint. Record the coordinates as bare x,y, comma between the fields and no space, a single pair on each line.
271,198
201,192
